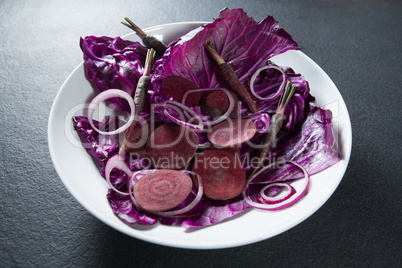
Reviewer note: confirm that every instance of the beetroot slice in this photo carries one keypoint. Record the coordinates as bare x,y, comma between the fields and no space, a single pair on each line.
216,103
162,189
171,146
176,87
222,174
232,132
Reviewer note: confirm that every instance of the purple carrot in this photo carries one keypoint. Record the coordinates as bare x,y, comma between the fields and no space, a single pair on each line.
226,72
275,126
139,97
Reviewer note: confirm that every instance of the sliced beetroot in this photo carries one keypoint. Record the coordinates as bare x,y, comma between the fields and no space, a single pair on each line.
171,146
221,172
216,103
176,87
162,189
232,132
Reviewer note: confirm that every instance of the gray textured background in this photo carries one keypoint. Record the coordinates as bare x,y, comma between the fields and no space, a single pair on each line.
358,44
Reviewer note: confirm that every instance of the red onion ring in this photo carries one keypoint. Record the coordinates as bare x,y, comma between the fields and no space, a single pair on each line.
107,94
116,161
288,201
265,120
170,213
262,121
263,198
272,96
180,108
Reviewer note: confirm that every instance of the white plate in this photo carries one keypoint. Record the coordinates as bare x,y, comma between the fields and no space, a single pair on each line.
79,174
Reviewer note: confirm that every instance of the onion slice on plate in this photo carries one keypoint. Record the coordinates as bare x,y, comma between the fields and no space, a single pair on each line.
263,198
185,113
272,204
116,161
272,96
108,94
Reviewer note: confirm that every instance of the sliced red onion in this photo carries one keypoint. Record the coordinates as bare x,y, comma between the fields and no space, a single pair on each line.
261,120
232,103
272,96
263,198
170,213
181,108
108,94
116,161
289,200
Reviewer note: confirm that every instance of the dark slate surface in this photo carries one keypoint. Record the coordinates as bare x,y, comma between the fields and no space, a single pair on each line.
358,43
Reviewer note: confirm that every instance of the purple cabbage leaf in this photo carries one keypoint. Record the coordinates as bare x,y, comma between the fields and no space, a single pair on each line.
113,63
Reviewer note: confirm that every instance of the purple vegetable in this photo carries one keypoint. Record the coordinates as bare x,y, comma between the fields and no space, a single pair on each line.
113,63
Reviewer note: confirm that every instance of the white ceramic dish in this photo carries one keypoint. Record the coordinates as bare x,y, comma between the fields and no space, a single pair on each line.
79,174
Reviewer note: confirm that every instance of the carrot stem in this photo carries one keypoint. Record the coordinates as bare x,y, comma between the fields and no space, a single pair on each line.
227,73
212,52
285,97
149,61
134,27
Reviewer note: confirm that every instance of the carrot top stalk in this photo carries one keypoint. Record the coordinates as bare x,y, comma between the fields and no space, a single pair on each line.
285,97
226,72
140,93
149,40
276,125
149,61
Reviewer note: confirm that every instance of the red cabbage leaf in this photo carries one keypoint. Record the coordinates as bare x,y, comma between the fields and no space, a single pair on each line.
113,63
